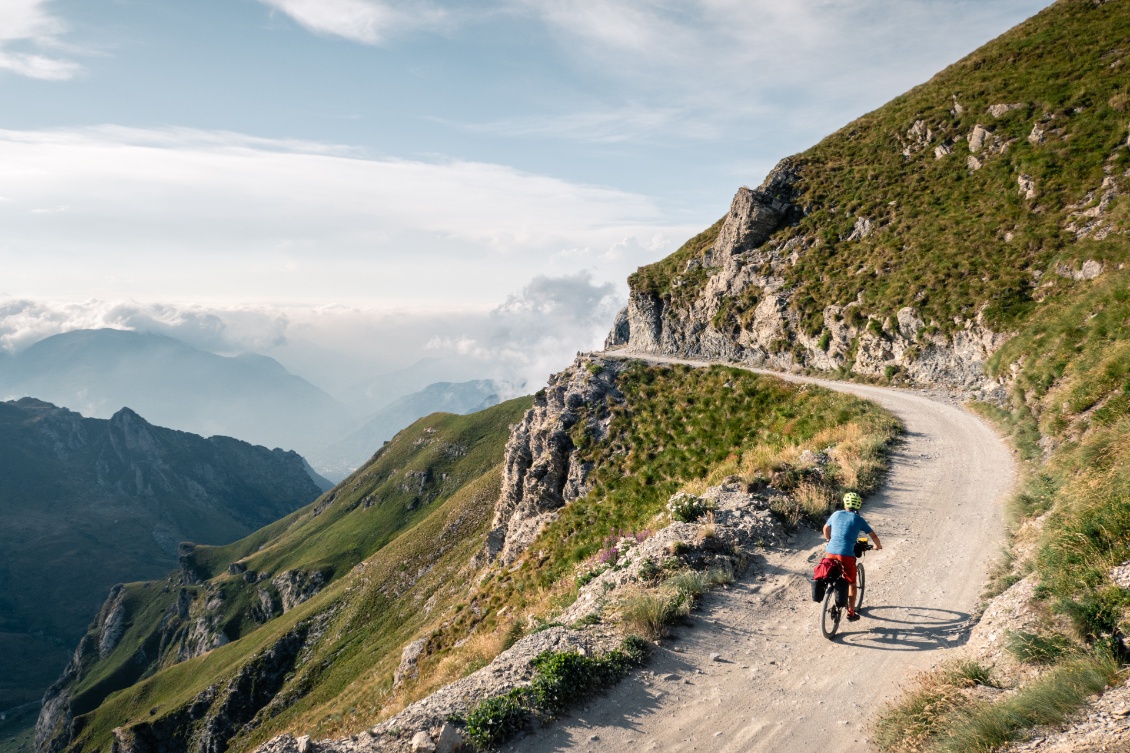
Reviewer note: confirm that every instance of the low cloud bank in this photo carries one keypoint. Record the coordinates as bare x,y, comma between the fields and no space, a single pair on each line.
345,350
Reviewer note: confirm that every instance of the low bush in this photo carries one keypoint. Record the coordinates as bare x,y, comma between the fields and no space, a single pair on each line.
561,679
649,613
687,508
496,720
1033,648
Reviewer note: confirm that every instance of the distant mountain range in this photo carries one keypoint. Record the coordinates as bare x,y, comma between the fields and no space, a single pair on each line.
339,459
86,503
252,397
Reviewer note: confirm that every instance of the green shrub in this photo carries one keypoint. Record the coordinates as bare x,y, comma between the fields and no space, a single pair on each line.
496,720
1032,648
649,570
688,508
561,679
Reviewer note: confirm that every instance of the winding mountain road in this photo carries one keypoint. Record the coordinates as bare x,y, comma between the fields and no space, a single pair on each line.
777,684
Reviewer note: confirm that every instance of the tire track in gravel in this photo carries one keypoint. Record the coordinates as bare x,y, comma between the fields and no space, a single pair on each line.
778,685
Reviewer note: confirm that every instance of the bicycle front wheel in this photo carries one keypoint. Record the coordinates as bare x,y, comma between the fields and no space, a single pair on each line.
830,614
860,584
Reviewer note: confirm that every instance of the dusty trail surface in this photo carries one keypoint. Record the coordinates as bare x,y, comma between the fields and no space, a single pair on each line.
778,684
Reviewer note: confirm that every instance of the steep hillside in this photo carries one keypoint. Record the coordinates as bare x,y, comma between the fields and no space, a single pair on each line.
278,590
447,549
341,458
250,397
909,243
971,235
86,503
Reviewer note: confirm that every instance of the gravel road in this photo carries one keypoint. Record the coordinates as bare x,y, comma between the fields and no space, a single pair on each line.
776,684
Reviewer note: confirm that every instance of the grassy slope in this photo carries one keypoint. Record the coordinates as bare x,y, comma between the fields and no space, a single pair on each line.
1069,417
454,455
939,242
952,242
678,426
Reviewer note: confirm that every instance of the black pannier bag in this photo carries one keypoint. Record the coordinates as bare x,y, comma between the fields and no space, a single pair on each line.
841,587
818,589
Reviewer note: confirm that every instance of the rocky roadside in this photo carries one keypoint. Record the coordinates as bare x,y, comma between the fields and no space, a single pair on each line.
742,527
1102,727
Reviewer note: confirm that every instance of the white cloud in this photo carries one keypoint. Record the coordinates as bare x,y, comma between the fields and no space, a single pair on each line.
619,124
24,322
366,21
193,215
537,330
533,333
714,70
29,23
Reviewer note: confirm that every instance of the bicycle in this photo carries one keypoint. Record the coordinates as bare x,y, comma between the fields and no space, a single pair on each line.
836,596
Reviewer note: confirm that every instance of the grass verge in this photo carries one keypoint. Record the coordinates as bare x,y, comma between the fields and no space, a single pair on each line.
561,680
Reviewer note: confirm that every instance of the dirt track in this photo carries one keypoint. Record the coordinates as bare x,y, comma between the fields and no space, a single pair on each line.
778,684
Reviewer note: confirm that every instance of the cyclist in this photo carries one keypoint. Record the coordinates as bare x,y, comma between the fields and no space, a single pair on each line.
841,532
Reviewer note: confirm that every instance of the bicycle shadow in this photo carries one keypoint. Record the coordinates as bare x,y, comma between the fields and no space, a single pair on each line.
909,628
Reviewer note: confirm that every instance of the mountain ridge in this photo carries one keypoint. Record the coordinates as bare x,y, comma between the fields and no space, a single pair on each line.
86,503
249,396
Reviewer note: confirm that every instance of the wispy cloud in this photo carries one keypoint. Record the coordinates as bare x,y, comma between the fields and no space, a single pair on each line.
24,322
181,214
619,124
29,32
724,69
365,21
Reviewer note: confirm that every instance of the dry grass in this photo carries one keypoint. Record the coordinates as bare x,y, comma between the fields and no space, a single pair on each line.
707,530
649,613
857,455
814,499
479,650
938,698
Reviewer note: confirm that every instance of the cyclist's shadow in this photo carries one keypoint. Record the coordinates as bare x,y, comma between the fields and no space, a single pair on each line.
897,628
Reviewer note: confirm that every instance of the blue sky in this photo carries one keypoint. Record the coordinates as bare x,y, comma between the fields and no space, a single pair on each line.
322,173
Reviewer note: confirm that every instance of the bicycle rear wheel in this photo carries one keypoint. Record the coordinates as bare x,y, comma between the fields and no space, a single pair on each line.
830,614
860,583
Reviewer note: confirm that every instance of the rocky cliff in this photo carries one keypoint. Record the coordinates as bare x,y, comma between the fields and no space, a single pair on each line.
742,310
541,473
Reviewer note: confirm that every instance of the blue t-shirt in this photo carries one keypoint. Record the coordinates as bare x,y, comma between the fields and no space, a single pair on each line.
846,527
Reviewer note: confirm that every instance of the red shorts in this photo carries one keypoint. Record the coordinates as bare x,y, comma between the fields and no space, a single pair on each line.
848,564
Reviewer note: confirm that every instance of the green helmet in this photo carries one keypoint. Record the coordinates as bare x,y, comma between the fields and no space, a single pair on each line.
852,501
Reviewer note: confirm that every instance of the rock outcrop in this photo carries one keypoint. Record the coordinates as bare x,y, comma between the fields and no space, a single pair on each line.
541,473
748,261
207,722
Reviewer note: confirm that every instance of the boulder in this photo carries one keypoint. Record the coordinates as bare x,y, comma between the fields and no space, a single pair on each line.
422,743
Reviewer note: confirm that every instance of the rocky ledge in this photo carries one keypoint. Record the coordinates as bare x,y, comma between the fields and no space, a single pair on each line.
747,263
